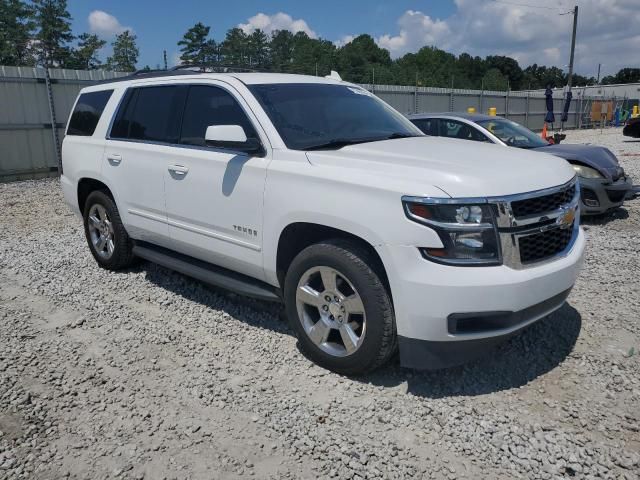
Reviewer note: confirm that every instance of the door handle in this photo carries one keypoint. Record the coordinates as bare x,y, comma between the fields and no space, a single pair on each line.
114,159
178,170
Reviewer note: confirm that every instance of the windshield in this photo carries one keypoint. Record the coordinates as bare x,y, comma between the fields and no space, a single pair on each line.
319,115
512,133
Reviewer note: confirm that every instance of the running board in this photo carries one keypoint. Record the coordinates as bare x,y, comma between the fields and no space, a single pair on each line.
207,272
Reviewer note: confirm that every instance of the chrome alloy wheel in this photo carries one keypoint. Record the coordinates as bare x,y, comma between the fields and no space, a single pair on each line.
331,311
101,231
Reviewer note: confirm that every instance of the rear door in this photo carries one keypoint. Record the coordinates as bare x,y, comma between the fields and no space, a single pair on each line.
215,196
136,155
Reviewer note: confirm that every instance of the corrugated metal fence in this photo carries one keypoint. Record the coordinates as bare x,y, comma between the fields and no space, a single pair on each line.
26,138
528,109
27,148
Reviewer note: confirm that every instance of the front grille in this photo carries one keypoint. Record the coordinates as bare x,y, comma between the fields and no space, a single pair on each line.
616,195
544,204
539,246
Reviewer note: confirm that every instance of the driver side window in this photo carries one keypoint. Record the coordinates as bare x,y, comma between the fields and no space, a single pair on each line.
208,105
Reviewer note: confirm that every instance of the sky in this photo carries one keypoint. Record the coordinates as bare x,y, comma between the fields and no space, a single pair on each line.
532,31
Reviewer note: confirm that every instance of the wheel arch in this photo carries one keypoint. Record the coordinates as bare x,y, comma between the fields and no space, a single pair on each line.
86,185
297,236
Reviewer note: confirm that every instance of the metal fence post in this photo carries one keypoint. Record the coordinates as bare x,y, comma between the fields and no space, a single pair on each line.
54,123
526,112
506,104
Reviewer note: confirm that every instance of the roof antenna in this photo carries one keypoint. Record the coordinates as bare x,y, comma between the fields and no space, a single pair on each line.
334,76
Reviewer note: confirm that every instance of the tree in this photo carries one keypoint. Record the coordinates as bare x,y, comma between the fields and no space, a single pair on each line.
125,53
16,27
258,48
196,47
508,67
234,47
85,56
495,80
625,75
281,50
54,31
361,59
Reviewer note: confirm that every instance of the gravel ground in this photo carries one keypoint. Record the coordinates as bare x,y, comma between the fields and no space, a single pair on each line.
148,374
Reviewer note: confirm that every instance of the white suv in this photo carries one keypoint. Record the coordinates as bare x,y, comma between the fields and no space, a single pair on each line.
315,192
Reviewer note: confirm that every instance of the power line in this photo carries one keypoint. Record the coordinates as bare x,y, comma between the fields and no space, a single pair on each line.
527,5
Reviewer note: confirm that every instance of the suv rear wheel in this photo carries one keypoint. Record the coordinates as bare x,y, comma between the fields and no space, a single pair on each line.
339,307
107,238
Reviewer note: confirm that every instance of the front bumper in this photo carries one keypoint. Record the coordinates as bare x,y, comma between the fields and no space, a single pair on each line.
600,195
496,301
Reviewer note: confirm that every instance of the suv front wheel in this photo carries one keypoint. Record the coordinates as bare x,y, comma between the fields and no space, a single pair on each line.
339,307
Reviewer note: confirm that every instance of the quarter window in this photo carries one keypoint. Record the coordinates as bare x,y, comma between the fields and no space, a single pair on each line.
207,105
87,113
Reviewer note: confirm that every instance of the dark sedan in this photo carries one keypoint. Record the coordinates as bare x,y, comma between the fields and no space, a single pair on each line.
603,182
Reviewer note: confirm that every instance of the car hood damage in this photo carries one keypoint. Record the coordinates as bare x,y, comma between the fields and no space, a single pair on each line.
600,158
461,169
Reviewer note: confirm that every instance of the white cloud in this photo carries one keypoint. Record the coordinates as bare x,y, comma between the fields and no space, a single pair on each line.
416,30
344,40
105,25
607,33
278,21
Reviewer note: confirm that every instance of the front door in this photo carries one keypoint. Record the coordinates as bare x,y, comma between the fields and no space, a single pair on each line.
214,197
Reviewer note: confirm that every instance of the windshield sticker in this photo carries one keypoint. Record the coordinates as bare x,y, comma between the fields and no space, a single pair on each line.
359,91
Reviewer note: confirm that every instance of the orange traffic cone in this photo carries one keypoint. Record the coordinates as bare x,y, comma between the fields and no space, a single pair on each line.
544,132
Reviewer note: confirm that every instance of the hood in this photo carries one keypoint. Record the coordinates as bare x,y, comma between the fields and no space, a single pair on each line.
461,169
594,156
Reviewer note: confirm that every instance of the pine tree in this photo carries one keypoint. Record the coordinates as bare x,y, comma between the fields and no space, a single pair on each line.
125,53
281,50
197,48
85,56
16,27
258,48
54,31
234,47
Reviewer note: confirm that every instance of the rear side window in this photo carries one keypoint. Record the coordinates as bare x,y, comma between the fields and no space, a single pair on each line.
151,114
87,113
427,125
208,105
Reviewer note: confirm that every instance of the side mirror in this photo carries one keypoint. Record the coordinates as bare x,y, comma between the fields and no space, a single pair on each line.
232,137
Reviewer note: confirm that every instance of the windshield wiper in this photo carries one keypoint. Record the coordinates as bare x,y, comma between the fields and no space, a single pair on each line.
337,143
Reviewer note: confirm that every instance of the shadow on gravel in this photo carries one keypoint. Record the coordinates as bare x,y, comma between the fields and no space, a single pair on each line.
532,352
253,312
605,218
535,351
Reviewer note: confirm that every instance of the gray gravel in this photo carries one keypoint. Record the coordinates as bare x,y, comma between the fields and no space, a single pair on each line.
148,374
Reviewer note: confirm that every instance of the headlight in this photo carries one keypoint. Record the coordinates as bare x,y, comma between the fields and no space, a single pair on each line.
467,232
586,172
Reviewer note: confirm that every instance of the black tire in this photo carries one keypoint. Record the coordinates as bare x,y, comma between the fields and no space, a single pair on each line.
356,265
122,255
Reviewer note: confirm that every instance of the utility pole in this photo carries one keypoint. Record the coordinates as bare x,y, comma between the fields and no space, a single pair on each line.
573,46
598,81
165,59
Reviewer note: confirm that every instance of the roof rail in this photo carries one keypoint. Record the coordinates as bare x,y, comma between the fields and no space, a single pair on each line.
203,68
180,70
